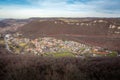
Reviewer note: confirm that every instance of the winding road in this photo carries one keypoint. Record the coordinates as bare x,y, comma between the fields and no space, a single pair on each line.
6,44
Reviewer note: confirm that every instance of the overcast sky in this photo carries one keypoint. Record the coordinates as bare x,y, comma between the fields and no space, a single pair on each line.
59,8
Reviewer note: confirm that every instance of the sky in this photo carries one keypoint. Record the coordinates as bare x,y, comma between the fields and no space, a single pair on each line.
59,8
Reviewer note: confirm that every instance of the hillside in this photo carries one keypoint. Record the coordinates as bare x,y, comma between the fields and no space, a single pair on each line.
11,25
26,67
58,27
67,49
104,32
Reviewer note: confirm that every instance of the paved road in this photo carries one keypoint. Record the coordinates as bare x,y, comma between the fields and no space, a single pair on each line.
6,44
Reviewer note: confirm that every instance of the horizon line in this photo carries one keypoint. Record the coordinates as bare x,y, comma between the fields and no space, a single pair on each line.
58,17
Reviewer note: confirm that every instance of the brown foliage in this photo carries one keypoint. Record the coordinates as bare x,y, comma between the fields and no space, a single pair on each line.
28,67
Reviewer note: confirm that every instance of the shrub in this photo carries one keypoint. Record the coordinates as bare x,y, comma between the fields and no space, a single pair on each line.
30,67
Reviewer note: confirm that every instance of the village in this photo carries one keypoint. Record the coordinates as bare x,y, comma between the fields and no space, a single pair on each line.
42,46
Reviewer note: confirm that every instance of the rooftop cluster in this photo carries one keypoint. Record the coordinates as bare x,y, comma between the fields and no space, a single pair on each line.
48,45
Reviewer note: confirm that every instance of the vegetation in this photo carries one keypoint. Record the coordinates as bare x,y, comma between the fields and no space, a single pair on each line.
76,61
27,67
114,53
61,54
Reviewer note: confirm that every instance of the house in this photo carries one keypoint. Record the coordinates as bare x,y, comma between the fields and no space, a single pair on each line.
8,36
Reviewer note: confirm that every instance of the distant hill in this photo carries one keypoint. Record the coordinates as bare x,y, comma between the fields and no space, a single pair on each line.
2,24
11,25
75,27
